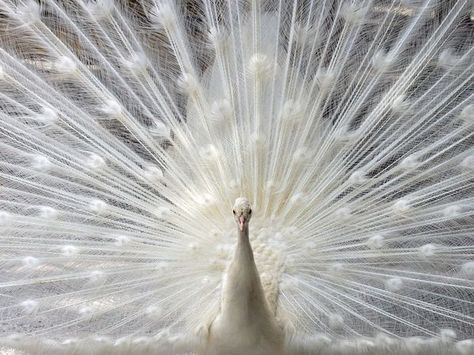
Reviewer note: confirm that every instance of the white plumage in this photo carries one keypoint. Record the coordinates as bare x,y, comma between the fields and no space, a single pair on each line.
246,322
129,128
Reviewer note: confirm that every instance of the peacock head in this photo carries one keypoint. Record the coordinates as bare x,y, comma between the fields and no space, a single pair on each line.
242,212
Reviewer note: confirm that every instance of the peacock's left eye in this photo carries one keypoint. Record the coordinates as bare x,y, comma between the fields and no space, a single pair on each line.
233,211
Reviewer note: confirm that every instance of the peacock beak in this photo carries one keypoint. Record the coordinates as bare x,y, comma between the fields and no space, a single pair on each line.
241,222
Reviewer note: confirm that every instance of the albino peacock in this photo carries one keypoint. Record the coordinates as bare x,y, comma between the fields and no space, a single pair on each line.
129,128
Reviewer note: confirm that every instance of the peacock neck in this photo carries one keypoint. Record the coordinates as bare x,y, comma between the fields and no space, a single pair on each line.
242,283
243,253
244,305
245,320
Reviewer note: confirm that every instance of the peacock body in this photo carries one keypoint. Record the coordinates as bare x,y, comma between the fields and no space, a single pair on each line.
129,128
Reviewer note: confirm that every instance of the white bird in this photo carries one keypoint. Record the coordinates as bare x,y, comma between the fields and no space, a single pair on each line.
245,323
129,128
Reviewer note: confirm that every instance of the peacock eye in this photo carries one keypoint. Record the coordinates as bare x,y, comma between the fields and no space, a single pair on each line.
233,211
250,211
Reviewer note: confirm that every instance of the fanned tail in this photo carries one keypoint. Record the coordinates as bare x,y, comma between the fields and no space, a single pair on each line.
127,130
